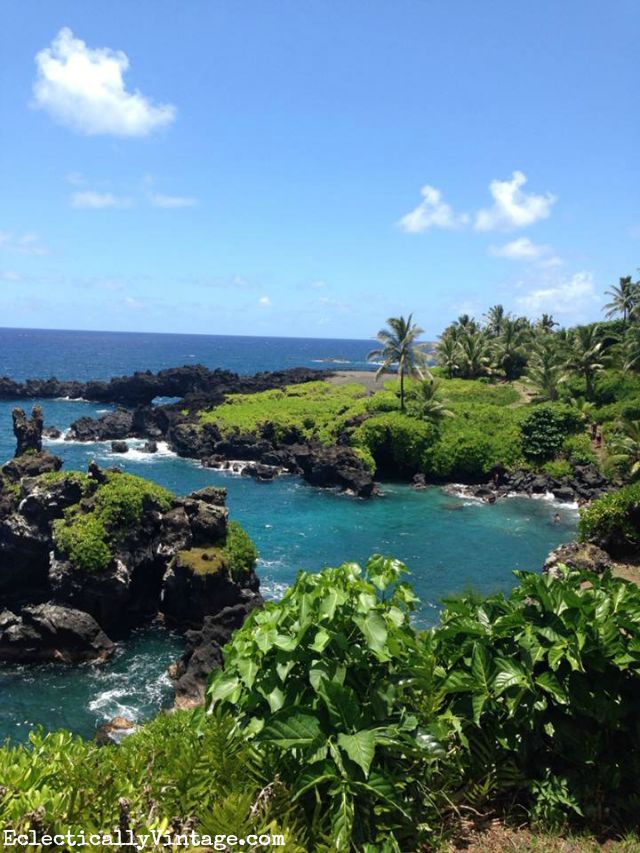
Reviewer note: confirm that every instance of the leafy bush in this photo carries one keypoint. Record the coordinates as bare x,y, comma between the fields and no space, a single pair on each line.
578,449
469,445
613,520
239,552
558,468
614,386
339,725
180,771
83,539
88,530
545,686
317,680
545,429
395,441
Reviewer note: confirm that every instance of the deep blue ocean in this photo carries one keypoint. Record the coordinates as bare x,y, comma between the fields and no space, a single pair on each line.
448,543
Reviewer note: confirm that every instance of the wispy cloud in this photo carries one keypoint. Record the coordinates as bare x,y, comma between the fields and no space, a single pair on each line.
84,89
172,201
574,296
523,249
23,244
11,276
432,212
512,207
264,302
91,200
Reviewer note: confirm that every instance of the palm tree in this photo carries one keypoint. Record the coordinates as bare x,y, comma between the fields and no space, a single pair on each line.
495,319
625,447
448,354
400,348
629,350
546,323
466,323
546,368
474,354
424,401
585,355
508,351
624,299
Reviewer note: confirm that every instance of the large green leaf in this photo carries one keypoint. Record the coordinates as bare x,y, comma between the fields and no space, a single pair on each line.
293,729
342,704
508,674
374,629
360,747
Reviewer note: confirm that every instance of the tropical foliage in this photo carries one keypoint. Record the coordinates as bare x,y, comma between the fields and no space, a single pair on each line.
338,724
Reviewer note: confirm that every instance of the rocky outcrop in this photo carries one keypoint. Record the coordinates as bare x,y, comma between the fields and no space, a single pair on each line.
585,484
189,596
582,556
28,431
143,387
204,650
48,632
57,608
112,426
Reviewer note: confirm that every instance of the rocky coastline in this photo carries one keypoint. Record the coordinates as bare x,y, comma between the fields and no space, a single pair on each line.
54,606
262,456
585,484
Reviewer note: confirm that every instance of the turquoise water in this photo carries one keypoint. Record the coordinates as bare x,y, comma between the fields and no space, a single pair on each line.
449,543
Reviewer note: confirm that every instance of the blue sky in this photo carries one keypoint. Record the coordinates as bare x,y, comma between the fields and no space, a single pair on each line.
311,168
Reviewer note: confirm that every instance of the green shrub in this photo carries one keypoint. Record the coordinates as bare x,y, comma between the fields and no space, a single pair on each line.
545,429
239,552
396,442
83,539
558,468
578,449
613,520
479,437
121,500
180,771
87,532
545,686
614,386
317,680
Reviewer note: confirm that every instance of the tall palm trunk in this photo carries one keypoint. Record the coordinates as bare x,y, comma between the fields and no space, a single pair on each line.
402,389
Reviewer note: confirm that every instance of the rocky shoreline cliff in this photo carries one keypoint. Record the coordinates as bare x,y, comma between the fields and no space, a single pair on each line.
84,558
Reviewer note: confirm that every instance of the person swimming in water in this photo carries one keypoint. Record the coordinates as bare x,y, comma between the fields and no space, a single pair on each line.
556,518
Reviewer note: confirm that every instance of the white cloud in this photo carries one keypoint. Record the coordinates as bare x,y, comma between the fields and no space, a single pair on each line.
172,201
264,301
513,208
25,244
319,285
573,296
10,275
432,212
83,88
90,200
523,249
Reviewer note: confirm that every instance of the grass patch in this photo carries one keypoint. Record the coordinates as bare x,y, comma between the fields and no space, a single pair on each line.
237,555
315,409
203,561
